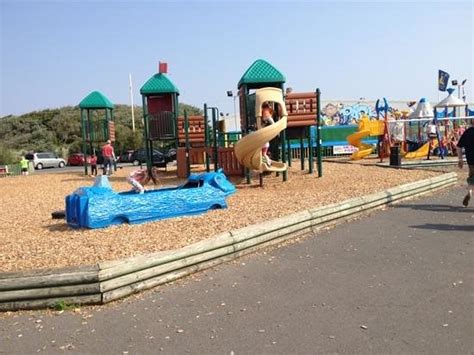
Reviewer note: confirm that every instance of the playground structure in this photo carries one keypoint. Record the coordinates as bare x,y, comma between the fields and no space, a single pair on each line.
160,112
248,150
99,206
200,142
366,128
302,111
403,132
202,139
96,130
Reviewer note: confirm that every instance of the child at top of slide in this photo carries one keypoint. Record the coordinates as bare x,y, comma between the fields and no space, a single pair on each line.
267,120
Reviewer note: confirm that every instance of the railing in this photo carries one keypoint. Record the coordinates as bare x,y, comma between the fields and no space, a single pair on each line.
15,169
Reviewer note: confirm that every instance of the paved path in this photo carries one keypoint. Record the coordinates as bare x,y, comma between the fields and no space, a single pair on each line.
398,281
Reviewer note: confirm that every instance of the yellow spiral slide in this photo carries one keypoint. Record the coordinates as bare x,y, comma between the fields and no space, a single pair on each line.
363,148
366,128
248,150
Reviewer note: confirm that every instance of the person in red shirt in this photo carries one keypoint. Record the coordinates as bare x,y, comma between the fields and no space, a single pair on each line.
109,157
92,161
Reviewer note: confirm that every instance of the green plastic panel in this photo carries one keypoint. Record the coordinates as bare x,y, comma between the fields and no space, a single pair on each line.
96,100
159,84
338,133
261,72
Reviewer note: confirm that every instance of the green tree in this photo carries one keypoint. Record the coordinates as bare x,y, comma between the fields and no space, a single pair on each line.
59,129
7,156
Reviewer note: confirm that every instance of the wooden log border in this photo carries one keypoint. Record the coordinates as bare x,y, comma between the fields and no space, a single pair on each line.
110,280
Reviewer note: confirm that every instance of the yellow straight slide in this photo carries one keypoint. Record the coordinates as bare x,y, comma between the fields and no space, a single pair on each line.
248,150
364,149
421,152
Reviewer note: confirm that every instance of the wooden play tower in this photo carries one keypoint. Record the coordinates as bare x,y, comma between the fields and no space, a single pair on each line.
160,112
97,123
303,112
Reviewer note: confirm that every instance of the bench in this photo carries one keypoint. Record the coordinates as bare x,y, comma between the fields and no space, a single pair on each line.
4,171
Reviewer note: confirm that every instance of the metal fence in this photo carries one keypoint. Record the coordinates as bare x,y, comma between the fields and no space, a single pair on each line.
15,169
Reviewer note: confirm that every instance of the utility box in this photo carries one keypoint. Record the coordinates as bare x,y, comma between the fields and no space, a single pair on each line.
395,158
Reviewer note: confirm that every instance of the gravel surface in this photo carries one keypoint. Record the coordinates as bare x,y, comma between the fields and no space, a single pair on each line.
31,239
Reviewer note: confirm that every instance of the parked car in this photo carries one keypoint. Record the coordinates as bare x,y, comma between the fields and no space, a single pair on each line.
76,159
125,157
46,160
139,157
171,154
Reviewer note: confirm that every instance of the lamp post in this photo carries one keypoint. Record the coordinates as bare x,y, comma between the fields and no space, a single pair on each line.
463,92
131,100
230,93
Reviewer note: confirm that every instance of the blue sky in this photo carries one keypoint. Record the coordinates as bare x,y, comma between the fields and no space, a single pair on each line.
54,53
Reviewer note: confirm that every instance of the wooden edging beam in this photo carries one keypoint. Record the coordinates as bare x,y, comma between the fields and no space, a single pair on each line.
111,280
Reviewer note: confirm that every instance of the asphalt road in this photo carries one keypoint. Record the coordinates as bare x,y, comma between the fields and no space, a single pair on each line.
397,281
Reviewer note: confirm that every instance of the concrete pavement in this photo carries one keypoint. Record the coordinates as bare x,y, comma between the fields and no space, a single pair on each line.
398,281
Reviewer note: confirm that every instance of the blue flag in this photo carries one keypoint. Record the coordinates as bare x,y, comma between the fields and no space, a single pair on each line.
443,78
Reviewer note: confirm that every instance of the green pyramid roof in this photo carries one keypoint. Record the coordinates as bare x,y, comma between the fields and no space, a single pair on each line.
261,72
96,100
159,84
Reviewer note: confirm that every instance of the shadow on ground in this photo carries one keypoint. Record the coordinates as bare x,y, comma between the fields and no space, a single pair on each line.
434,208
446,227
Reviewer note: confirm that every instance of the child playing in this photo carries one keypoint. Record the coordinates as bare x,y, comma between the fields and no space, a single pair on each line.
92,160
267,120
136,178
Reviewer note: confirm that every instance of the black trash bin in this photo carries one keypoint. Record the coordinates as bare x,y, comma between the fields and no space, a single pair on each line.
395,158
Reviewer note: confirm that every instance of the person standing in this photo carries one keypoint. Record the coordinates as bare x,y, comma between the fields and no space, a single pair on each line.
92,161
109,157
24,163
467,142
431,132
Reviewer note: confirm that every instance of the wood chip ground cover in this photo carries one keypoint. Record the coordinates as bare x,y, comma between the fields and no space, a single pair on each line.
31,239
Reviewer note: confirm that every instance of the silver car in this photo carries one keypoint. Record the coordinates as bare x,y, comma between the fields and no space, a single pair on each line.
46,160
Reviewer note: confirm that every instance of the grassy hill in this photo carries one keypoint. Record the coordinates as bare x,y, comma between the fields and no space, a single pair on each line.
59,130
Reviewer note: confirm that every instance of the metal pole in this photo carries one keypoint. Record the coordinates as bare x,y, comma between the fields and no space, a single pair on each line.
186,140
206,136
283,138
318,132
235,113
145,135
84,136
245,129
310,150
288,149
302,148
214,136
131,101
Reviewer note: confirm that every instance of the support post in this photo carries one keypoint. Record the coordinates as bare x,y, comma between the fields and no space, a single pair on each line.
149,163
186,139
288,144
246,123
206,135
318,132
84,136
302,148
283,139
310,150
214,137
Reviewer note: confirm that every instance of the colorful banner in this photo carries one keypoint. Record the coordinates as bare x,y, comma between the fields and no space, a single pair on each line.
443,78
